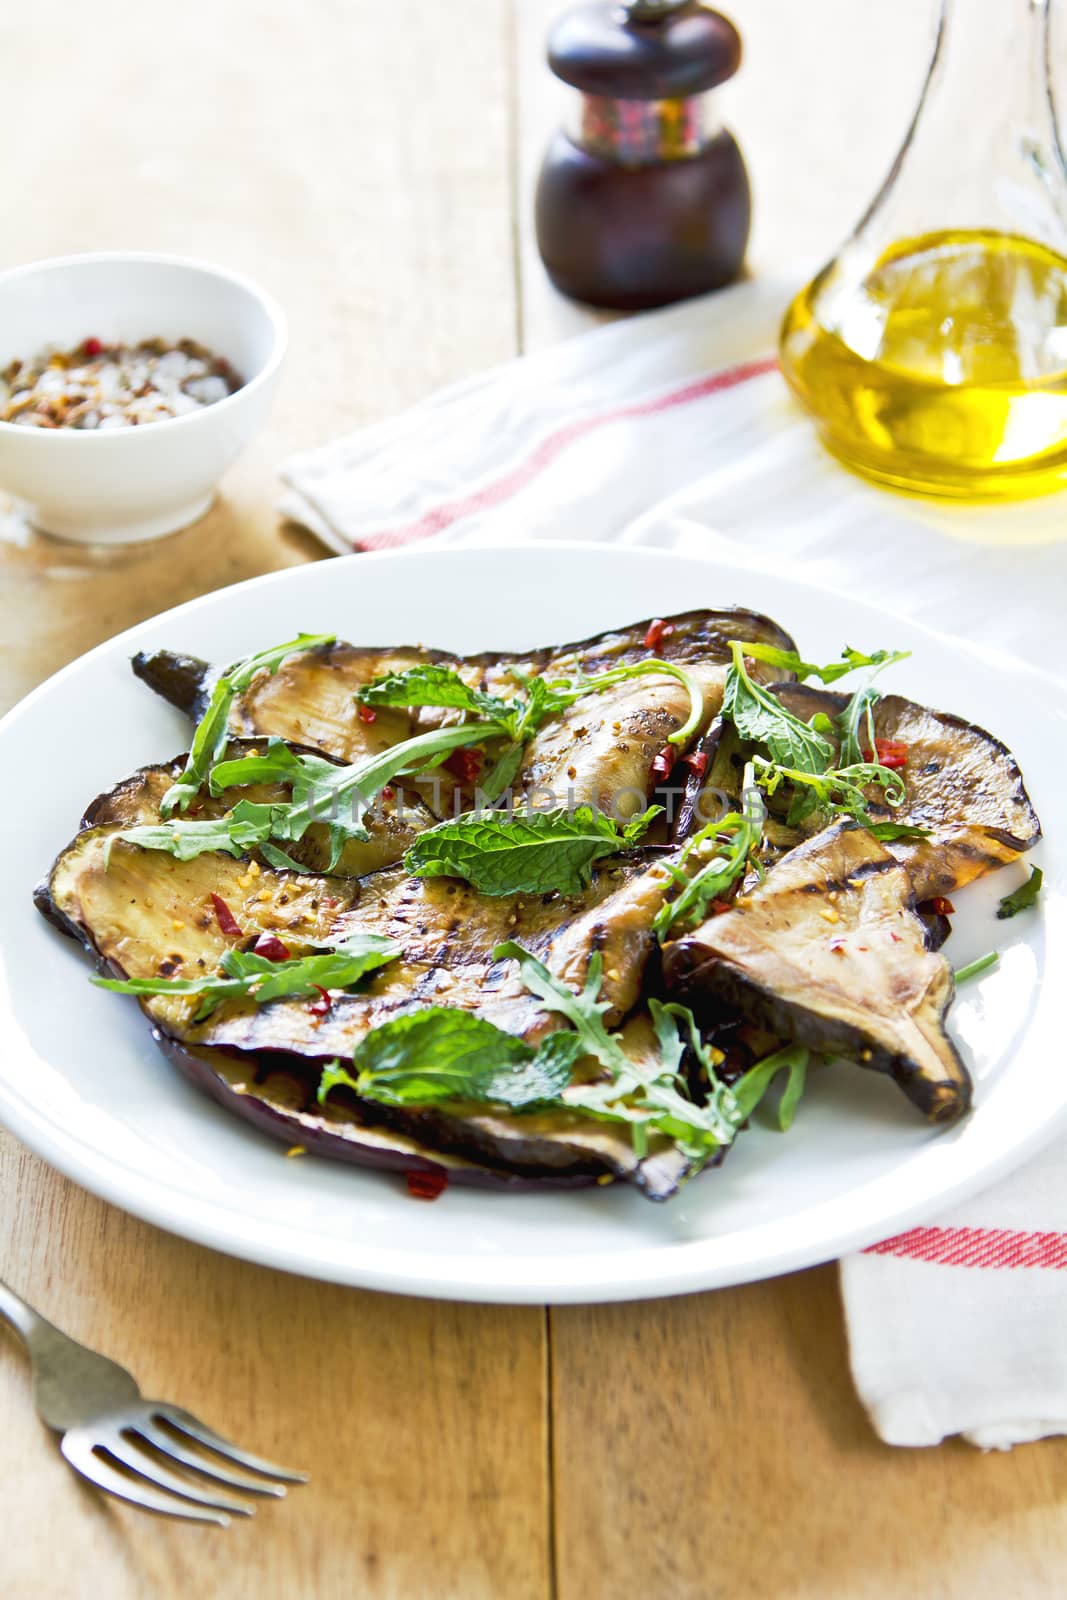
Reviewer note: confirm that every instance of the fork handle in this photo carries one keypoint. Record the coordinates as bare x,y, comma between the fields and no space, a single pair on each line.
22,1317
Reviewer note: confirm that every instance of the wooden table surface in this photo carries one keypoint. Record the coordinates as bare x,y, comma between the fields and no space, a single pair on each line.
372,164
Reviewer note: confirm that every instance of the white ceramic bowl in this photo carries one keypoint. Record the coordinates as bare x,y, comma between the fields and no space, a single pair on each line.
117,485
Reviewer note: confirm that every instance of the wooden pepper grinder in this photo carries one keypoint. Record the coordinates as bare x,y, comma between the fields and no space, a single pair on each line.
643,197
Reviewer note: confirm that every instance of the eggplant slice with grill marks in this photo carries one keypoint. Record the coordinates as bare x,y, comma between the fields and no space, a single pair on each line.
144,913
829,951
962,784
601,751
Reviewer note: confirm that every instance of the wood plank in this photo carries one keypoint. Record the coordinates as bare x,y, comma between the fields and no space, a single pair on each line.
421,1424
356,161
713,1447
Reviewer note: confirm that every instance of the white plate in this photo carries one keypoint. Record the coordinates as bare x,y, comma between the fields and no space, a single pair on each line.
82,1084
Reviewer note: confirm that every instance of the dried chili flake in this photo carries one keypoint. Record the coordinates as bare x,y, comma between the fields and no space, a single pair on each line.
837,946
697,762
942,907
465,765
426,1185
271,947
320,1007
93,347
388,792
663,765
367,714
658,630
228,923
892,753
719,908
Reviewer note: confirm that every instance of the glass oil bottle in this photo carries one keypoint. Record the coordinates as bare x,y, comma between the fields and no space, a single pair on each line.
932,351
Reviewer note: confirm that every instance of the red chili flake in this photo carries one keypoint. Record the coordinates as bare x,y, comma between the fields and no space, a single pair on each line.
719,908
892,753
320,1007
465,765
329,902
93,347
270,946
837,946
228,923
388,792
697,762
942,907
663,765
896,938
658,630
367,714
426,1185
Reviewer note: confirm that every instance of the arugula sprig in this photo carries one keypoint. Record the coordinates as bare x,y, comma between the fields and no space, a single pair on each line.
712,861
651,1098
750,1089
211,735
851,660
858,714
245,974
821,760
839,791
340,796
531,852
444,1055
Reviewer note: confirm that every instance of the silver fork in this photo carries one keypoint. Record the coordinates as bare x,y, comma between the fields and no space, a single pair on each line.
125,1444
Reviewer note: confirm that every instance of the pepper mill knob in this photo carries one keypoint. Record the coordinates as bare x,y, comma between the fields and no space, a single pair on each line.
643,197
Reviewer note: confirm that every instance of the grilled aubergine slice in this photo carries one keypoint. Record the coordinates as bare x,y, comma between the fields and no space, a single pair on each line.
963,786
829,951
601,751
144,913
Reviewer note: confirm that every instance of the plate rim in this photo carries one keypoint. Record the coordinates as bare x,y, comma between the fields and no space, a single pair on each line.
666,1269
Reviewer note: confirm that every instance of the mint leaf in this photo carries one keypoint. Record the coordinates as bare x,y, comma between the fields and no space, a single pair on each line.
432,685
760,717
524,853
444,1054
1023,898
210,738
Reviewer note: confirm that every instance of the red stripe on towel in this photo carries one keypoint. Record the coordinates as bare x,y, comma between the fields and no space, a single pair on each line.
516,478
977,1247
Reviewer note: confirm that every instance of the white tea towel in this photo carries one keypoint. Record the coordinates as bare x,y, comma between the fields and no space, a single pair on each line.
674,429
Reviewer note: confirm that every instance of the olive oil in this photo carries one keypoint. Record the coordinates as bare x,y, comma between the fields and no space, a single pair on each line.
944,371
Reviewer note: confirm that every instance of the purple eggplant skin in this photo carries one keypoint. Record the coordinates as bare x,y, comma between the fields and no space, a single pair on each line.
225,1077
